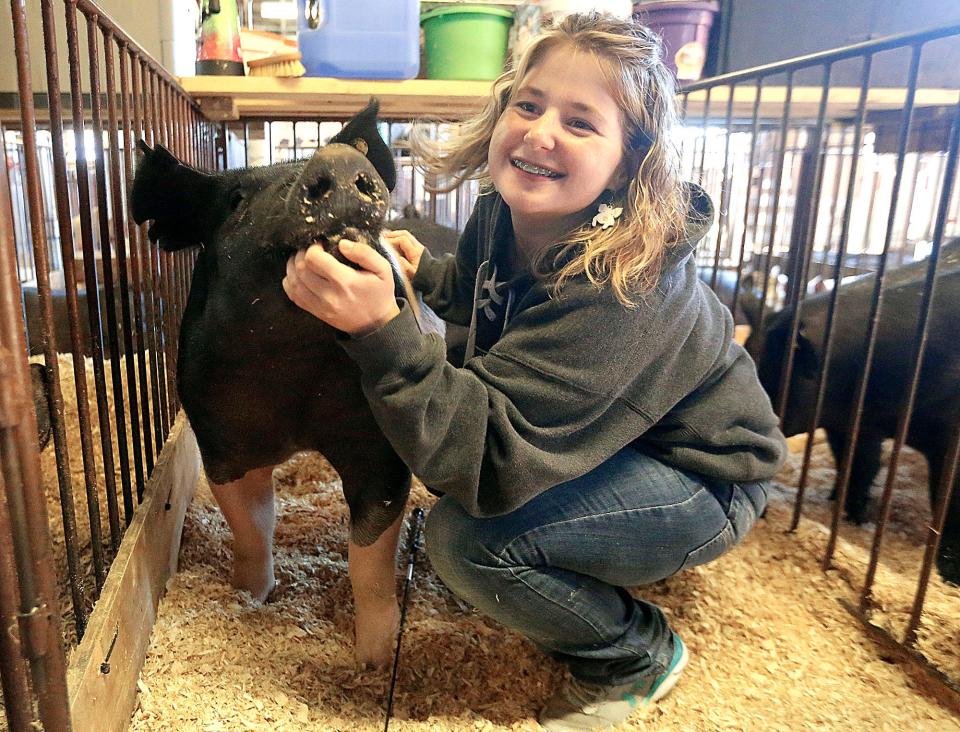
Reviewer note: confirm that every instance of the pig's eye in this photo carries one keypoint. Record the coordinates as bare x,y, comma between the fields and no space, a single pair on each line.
236,198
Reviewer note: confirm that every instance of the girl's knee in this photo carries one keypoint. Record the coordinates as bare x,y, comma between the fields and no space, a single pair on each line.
453,542
445,533
748,504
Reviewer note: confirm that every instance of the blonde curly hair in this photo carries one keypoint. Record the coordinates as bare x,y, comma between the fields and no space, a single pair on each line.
630,255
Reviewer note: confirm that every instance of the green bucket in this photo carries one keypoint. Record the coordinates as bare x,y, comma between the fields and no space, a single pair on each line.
466,41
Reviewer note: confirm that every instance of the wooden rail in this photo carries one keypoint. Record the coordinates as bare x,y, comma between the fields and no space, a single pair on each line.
238,97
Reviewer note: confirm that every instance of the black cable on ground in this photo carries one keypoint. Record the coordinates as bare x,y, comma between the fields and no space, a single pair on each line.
413,543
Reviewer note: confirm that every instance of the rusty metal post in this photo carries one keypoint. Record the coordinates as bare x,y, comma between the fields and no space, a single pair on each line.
141,128
103,406
171,316
121,244
39,622
13,668
93,304
152,119
136,265
50,354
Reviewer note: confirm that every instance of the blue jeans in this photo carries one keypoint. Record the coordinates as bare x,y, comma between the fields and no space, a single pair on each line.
555,569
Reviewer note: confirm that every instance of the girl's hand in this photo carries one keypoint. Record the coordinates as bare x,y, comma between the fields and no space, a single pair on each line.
408,249
356,301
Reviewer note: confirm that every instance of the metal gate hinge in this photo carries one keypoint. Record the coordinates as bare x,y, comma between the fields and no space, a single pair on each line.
34,627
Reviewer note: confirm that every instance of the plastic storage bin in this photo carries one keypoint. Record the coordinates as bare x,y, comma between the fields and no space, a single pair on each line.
685,29
372,39
466,41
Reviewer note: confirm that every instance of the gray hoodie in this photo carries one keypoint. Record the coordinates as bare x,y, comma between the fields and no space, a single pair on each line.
553,386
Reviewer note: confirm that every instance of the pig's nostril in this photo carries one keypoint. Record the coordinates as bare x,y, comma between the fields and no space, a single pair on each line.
319,189
366,185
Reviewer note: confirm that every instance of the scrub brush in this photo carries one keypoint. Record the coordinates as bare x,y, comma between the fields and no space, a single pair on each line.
284,64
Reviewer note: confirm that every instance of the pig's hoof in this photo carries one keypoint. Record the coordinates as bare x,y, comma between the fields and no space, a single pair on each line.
255,578
376,637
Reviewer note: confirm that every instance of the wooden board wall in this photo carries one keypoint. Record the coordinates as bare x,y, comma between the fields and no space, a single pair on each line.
103,692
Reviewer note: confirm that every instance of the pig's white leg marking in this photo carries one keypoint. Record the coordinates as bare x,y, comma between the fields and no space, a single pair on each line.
373,578
248,506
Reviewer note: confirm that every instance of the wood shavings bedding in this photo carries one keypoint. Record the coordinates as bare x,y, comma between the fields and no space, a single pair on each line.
771,647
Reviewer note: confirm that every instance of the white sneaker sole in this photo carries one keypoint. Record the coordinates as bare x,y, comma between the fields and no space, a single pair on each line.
672,677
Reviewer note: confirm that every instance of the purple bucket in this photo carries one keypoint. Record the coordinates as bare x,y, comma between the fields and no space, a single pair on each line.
685,28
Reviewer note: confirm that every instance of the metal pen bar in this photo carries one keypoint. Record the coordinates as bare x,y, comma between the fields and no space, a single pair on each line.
120,239
152,285
724,192
798,277
39,626
136,271
166,267
106,258
846,468
93,303
777,187
864,48
156,257
948,475
50,353
13,667
751,161
827,343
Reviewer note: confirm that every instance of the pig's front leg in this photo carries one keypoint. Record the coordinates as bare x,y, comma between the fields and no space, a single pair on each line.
248,507
373,579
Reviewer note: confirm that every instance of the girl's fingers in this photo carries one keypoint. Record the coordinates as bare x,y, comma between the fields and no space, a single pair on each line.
366,257
407,246
302,296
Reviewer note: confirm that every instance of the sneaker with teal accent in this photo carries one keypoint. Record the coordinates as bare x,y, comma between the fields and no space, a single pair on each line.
580,706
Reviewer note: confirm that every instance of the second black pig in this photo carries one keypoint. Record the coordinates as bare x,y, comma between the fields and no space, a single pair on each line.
937,407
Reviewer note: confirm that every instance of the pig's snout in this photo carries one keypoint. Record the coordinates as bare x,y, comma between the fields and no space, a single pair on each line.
323,187
339,189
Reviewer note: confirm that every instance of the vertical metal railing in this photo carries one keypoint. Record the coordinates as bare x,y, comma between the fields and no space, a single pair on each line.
832,219
118,300
34,627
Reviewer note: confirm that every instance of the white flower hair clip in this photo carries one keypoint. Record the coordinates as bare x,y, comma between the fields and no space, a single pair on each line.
607,216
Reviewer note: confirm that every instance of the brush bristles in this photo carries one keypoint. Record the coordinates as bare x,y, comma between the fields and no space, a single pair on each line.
287,65
281,68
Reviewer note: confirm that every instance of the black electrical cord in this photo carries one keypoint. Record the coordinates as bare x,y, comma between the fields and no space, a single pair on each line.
413,543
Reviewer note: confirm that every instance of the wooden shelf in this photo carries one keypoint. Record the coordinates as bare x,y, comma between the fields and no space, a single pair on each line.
238,97
234,98
805,101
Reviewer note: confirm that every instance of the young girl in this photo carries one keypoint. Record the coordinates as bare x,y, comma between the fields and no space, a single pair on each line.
605,430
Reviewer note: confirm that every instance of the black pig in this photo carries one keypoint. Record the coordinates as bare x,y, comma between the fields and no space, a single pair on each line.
937,407
258,377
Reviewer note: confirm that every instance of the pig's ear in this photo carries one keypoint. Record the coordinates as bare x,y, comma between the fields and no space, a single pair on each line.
806,360
180,200
361,132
